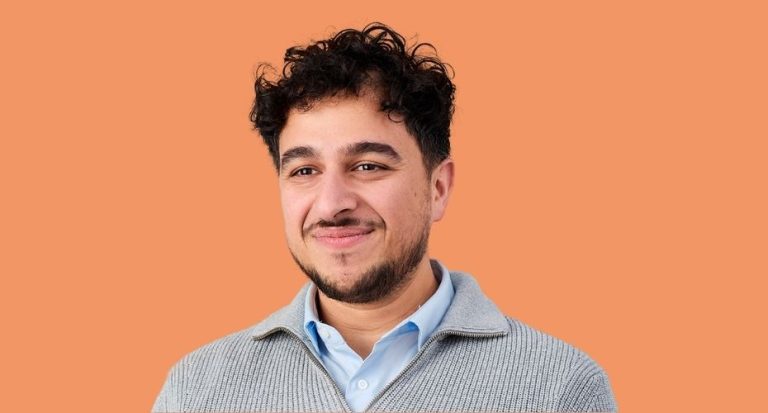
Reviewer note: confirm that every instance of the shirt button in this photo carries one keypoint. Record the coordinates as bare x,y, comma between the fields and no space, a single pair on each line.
362,384
326,334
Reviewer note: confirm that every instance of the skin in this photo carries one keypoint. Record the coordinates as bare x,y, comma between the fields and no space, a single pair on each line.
391,200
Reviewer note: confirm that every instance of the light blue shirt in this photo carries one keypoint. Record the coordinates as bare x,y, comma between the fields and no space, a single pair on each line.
361,380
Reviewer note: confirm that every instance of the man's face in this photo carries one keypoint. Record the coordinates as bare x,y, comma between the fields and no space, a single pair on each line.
357,201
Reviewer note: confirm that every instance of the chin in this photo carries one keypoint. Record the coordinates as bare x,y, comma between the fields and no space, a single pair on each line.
341,275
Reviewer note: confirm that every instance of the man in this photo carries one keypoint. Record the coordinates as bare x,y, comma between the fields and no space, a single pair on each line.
358,128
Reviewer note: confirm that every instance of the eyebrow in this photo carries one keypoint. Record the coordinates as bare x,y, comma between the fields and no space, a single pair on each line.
361,148
358,148
297,152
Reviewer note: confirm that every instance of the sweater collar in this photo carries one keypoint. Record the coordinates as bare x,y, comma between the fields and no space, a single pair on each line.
470,312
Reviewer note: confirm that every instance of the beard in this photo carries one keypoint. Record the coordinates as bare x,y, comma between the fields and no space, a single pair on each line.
378,281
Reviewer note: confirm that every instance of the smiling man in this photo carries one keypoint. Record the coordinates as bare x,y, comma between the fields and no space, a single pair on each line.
358,129
357,204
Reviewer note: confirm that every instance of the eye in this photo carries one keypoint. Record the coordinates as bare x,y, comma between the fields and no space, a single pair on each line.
368,167
303,171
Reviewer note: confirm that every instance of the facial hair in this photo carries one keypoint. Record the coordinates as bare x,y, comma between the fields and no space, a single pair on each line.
379,281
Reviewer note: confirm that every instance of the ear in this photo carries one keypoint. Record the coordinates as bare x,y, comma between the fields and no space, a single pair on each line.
441,185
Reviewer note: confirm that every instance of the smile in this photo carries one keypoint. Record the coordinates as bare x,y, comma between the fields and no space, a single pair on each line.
341,237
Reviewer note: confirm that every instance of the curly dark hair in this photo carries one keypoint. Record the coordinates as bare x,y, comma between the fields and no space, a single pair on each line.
414,86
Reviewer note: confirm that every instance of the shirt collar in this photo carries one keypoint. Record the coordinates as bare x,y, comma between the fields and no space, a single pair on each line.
470,311
429,315
311,317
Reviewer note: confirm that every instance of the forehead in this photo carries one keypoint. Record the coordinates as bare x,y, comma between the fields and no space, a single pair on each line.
335,123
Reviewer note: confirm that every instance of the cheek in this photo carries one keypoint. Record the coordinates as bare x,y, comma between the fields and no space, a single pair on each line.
400,206
294,210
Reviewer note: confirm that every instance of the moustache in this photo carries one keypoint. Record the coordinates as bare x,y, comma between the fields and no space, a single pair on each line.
343,222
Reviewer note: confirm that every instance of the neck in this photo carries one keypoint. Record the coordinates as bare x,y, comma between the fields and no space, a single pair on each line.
362,325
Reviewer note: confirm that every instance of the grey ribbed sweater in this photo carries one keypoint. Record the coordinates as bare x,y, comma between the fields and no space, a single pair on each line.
476,360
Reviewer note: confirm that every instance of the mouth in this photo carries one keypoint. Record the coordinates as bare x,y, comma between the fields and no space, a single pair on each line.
342,237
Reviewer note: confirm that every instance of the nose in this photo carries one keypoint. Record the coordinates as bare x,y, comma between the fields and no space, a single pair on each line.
335,197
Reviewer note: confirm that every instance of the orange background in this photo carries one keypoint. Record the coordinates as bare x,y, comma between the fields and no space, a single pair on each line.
611,186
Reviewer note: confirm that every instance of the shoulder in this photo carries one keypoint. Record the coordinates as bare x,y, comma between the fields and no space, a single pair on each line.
583,383
238,348
219,364
542,345
220,349
215,371
251,345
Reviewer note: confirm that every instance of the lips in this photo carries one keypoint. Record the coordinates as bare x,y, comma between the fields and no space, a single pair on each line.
341,237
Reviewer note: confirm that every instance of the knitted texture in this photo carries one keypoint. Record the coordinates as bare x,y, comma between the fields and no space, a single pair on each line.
476,360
